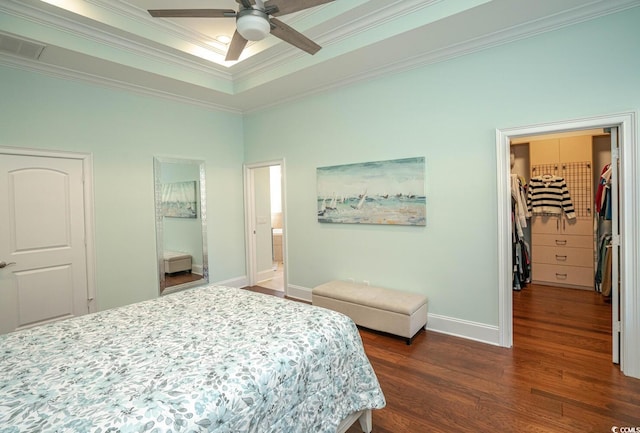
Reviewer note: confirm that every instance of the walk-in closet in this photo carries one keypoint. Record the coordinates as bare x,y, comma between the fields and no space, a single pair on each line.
561,210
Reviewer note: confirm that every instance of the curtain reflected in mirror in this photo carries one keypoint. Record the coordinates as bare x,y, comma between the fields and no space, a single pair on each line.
180,223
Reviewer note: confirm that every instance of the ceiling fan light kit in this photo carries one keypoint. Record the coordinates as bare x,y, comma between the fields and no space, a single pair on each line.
252,24
254,21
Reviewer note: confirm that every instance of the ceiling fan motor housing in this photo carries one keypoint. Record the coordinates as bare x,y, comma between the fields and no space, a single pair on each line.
253,24
255,20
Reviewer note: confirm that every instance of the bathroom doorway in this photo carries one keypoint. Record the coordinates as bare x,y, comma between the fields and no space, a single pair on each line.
265,225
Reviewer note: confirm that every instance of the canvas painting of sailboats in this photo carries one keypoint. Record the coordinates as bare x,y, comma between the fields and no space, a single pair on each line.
379,192
179,200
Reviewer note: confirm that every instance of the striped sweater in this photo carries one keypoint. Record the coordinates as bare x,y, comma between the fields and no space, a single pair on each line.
549,195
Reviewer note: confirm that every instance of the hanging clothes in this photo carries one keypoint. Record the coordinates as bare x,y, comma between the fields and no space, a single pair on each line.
521,211
602,270
603,211
521,264
549,195
606,275
520,249
604,187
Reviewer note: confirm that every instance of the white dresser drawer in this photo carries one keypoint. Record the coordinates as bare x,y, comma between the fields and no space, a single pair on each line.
561,275
546,224
553,225
579,226
562,256
561,240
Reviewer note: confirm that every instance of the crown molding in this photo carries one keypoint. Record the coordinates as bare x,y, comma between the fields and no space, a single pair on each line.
512,34
393,10
59,22
590,11
181,32
141,17
72,75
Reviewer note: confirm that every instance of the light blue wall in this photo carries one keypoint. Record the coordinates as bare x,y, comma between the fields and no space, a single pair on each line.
124,131
447,112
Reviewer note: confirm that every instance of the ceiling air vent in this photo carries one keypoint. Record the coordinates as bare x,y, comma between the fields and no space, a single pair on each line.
20,47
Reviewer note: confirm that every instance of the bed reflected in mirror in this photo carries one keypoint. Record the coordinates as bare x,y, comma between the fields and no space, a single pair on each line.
180,223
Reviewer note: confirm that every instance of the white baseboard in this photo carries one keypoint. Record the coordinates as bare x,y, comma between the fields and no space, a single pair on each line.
238,282
435,322
299,292
265,275
196,269
464,328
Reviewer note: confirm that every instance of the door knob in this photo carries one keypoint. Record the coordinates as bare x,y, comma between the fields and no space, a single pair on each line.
4,264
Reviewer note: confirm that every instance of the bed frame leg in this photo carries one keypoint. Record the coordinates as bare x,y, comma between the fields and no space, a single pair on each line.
365,421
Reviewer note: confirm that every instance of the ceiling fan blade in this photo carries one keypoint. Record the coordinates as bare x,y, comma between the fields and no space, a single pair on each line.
292,36
192,13
246,3
283,7
236,46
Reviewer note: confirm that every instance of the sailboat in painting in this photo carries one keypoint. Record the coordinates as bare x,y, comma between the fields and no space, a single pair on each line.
363,197
333,204
323,208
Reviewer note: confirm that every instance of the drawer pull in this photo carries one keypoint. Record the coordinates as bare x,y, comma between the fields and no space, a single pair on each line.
561,242
561,258
561,276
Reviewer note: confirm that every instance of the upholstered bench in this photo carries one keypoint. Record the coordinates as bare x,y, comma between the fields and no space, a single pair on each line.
176,262
387,310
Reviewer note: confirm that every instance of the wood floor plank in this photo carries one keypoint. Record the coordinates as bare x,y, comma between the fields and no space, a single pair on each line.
558,377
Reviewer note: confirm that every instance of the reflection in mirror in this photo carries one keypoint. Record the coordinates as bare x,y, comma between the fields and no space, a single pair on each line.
181,227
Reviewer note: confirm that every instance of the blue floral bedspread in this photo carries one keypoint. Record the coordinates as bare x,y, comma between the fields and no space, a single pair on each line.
211,359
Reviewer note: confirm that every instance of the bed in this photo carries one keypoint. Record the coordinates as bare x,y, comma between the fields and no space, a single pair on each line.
209,359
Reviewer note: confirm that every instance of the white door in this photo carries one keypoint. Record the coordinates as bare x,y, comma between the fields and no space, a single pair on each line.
42,241
615,246
262,224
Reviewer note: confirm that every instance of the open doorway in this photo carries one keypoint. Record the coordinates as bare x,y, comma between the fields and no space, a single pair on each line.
563,266
265,225
628,236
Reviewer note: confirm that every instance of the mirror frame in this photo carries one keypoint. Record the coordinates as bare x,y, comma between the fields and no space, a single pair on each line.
157,171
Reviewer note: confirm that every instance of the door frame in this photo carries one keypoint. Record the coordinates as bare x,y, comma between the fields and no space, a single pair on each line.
629,226
89,215
249,216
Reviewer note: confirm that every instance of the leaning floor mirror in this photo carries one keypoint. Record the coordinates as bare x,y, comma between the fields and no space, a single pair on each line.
181,226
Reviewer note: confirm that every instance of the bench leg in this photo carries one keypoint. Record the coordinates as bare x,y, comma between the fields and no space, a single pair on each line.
409,340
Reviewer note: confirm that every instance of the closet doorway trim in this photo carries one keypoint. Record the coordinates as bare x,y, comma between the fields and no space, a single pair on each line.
629,226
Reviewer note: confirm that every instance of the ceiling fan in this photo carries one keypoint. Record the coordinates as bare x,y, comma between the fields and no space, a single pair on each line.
254,21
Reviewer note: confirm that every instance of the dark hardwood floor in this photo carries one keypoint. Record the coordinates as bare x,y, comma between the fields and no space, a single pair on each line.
180,278
558,377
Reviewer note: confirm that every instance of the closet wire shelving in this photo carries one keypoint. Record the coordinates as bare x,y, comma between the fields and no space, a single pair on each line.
578,178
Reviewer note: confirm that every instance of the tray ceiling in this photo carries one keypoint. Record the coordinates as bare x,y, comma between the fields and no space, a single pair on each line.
116,42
